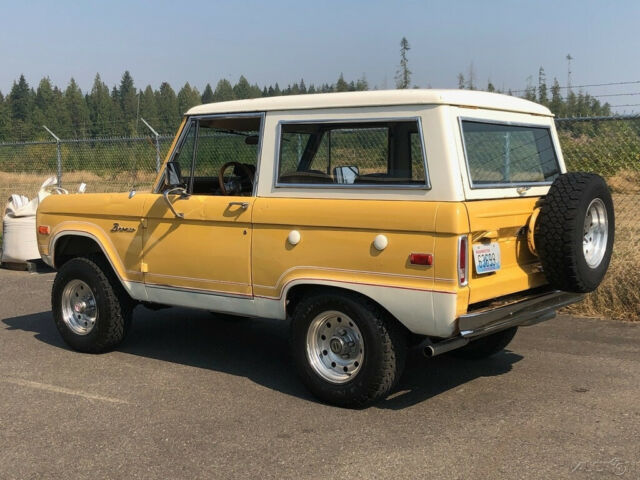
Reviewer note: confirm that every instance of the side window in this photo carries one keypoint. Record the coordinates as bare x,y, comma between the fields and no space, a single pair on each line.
343,154
226,155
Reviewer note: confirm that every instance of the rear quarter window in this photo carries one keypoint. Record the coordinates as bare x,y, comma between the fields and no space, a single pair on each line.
506,155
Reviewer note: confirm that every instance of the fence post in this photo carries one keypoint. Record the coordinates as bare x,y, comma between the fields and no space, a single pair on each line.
59,155
157,137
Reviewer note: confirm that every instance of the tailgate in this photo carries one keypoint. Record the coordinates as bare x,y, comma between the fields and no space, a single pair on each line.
503,222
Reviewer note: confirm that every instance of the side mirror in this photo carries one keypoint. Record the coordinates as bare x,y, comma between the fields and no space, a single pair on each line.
173,175
346,174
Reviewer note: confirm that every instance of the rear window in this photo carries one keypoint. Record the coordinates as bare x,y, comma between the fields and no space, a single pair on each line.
352,154
508,155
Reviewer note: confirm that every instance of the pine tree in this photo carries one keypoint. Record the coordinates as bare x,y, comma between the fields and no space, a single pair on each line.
490,87
556,105
168,113
341,85
362,83
128,97
100,107
187,98
543,97
5,120
242,89
403,75
207,94
461,82
224,91
149,106
20,103
77,109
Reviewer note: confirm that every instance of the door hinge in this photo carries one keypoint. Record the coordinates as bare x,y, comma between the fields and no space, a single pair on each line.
143,222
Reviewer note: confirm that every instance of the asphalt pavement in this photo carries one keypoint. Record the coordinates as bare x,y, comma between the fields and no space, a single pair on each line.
193,395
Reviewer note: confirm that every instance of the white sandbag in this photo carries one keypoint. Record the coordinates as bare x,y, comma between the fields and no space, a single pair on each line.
19,240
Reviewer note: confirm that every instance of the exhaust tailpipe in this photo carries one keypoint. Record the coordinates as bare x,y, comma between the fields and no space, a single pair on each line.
433,349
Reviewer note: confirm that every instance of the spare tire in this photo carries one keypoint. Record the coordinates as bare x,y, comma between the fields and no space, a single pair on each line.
574,232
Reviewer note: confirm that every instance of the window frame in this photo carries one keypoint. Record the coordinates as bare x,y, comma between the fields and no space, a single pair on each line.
196,119
474,186
276,164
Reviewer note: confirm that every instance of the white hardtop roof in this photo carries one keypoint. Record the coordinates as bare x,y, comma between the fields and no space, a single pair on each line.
376,98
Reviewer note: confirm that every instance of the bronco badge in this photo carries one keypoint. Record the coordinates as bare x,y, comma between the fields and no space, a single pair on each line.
118,228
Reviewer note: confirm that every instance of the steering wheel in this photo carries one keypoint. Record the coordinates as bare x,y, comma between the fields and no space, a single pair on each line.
234,185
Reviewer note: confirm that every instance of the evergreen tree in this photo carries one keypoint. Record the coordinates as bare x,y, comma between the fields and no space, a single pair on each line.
341,85
187,98
303,87
20,100
362,83
5,120
128,97
101,112
168,113
242,89
543,97
490,87
77,109
556,105
148,106
207,94
461,82
403,75
224,91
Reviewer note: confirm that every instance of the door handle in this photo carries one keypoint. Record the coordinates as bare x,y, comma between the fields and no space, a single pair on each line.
243,205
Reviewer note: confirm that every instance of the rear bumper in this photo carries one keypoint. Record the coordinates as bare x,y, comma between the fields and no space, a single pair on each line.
526,312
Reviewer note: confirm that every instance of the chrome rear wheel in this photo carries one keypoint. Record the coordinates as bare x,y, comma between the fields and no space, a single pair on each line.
335,348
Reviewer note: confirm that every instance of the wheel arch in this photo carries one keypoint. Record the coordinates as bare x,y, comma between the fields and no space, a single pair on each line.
70,244
297,291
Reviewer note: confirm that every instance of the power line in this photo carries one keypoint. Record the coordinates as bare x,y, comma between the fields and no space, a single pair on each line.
626,105
635,82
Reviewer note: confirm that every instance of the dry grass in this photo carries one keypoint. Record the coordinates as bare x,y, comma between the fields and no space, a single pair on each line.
618,296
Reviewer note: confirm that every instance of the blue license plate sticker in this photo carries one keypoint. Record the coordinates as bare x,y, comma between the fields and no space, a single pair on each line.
486,257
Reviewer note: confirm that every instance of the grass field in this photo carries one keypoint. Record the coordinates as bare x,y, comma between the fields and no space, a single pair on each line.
617,297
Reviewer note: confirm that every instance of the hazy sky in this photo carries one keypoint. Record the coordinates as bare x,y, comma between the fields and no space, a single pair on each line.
283,41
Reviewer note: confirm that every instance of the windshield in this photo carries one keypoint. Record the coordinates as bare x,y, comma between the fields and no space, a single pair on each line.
508,155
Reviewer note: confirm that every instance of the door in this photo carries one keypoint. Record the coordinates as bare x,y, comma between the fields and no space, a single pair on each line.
197,241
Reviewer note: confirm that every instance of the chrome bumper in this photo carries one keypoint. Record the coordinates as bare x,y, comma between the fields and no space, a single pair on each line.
526,312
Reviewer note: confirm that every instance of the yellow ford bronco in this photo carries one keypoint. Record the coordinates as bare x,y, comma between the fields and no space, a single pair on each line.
369,220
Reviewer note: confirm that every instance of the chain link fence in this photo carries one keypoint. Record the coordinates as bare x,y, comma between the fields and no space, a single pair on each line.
609,146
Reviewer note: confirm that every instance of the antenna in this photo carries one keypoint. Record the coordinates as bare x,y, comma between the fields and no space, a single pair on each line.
569,58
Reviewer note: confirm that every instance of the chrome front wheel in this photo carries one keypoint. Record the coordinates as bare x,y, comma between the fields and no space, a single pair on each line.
79,310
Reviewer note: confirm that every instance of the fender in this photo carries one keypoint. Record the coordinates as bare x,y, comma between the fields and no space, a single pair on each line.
131,280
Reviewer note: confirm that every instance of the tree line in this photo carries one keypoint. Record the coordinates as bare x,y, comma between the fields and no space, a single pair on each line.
116,111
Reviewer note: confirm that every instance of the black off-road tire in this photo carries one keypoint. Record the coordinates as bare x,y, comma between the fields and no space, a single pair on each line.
486,346
559,232
384,349
114,305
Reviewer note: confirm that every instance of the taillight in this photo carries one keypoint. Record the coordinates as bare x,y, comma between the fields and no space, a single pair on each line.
421,259
44,230
463,264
